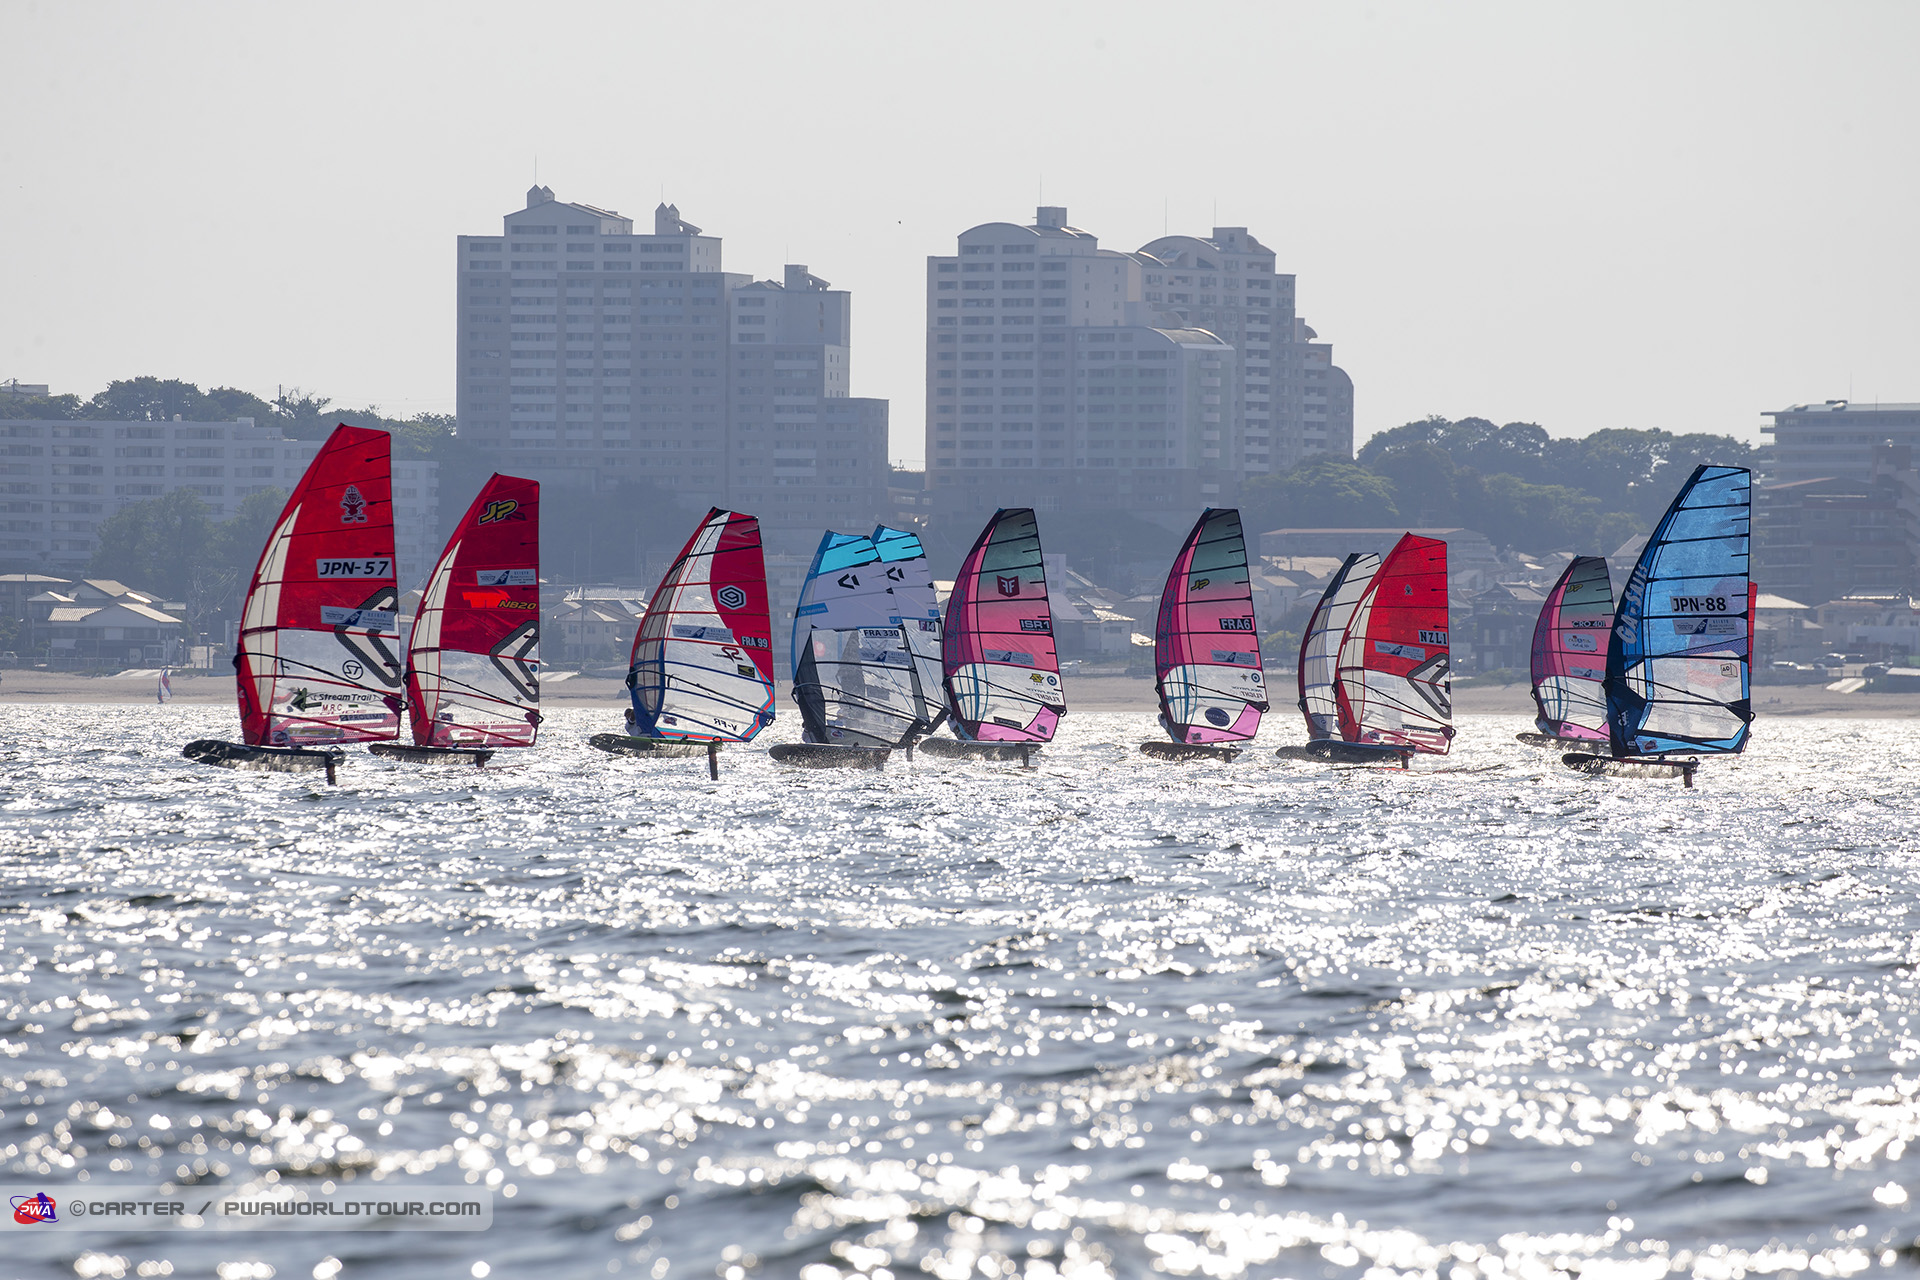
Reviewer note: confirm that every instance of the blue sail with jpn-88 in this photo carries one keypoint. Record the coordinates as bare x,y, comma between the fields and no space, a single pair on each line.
1678,677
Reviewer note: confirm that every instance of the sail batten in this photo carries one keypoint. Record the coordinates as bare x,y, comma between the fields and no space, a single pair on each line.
917,609
1569,656
1394,680
1678,674
1206,645
1002,674
317,659
473,659
702,663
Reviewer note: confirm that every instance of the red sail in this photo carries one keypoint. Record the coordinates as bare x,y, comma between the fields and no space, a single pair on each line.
473,666
318,657
1395,664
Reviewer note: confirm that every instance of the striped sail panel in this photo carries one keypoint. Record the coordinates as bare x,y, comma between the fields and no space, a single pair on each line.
702,665
1569,661
318,649
857,687
917,606
473,660
1206,646
1679,657
1394,678
845,587
1001,672
1319,665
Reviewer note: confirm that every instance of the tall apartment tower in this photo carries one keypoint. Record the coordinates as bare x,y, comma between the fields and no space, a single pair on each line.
805,455
1227,285
589,355
1068,376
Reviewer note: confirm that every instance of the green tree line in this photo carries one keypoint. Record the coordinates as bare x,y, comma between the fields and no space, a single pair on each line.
299,415
1521,487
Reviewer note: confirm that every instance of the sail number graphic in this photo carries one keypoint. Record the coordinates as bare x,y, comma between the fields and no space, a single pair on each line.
373,567
1699,604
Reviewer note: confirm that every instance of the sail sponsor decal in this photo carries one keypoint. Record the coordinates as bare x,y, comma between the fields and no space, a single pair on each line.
1394,650
1580,642
380,620
497,599
686,631
1009,656
353,507
506,577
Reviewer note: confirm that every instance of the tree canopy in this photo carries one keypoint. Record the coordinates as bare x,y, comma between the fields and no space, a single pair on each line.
1515,483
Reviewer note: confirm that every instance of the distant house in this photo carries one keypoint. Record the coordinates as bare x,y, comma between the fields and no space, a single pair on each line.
98,620
1495,631
591,625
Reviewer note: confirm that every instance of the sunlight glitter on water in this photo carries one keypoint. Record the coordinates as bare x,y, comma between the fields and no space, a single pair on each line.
1104,1017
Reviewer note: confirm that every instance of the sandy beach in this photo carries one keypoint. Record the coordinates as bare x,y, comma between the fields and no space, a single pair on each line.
29,687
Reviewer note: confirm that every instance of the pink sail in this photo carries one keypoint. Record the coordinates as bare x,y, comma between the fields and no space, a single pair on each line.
1002,675
1570,652
1206,648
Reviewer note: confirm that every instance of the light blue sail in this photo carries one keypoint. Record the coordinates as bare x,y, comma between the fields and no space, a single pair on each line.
1679,659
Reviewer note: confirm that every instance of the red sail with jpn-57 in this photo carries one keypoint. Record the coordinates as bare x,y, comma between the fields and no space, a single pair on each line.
318,659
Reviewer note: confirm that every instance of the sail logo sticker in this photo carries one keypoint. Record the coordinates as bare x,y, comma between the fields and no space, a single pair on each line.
896,574
1399,650
1705,626
380,620
32,1210
1009,586
730,597
1433,637
1583,643
1236,624
1201,584
372,567
1036,624
505,578
1699,604
847,580
1586,673
353,507
500,509
1037,678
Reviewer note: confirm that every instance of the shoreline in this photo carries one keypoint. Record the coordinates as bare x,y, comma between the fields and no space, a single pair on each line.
27,687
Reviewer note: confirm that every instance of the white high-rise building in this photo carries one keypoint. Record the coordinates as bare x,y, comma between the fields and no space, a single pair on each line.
1045,360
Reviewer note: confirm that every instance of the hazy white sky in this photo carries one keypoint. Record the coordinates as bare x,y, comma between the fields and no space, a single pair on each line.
1623,214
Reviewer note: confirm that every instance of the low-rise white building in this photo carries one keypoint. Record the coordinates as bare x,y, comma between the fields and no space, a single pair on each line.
60,481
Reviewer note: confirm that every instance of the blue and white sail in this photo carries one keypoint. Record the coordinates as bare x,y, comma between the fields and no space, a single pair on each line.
916,606
854,671
1679,658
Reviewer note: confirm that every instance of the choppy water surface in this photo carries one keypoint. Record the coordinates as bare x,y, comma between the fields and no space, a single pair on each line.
1105,1017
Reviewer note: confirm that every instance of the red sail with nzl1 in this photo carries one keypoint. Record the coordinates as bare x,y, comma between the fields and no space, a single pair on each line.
473,664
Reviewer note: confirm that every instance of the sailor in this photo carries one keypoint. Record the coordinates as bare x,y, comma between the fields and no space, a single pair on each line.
632,726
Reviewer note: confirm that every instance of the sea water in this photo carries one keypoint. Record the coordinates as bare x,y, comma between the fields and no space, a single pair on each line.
1102,1017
